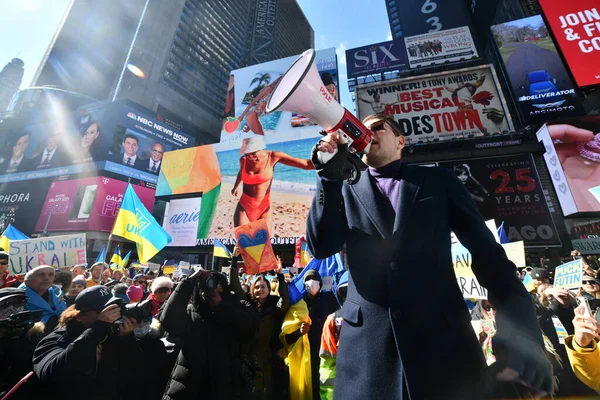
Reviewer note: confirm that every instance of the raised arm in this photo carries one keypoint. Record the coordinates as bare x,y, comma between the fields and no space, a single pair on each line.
238,179
279,156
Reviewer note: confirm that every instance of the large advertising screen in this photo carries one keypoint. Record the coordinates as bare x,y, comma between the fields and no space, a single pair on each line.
584,234
440,47
86,204
376,58
575,26
417,17
110,136
508,189
263,169
573,160
453,104
21,203
536,72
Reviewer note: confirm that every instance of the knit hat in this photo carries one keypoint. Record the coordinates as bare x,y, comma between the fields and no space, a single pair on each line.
160,283
314,275
79,280
34,271
135,293
540,273
138,277
120,291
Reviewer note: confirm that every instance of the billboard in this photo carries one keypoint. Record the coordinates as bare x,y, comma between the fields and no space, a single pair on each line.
453,104
573,160
256,176
86,204
21,203
508,189
376,58
440,47
110,136
536,72
181,221
418,16
575,25
584,234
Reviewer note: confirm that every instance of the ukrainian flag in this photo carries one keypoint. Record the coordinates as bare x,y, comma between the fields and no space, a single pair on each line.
116,258
11,233
219,250
528,282
125,261
134,222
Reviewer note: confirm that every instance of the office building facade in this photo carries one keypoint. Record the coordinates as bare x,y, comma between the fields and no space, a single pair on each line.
173,57
11,77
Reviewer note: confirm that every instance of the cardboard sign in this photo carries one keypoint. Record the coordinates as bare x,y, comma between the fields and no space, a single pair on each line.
58,251
569,275
254,242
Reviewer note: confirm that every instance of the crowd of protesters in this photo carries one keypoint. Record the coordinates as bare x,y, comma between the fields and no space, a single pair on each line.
91,333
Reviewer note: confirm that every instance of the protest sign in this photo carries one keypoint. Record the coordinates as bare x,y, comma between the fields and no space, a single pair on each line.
169,270
569,275
58,251
253,239
516,253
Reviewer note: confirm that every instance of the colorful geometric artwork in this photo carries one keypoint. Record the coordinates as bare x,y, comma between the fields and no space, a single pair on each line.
254,242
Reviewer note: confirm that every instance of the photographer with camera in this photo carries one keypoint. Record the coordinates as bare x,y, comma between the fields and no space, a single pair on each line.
92,344
20,333
216,330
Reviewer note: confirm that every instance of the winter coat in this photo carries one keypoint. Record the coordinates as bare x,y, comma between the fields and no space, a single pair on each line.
213,362
83,362
585,362
267,343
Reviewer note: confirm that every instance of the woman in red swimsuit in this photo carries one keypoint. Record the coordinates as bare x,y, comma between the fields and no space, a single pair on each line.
256,172
260,105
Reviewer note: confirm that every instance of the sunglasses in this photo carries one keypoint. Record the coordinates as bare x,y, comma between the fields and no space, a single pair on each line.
3,262
590,282
488,308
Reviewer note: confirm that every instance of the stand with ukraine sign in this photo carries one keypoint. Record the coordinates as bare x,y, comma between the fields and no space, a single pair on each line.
134,222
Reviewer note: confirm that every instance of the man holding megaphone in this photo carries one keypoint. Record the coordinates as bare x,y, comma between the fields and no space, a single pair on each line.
394,225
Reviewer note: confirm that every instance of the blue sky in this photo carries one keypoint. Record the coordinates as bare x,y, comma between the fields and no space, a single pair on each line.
27,26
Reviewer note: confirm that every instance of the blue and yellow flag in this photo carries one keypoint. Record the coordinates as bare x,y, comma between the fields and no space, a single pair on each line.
102,255
11,233
125,260
528,282
116,258
220,250
134,222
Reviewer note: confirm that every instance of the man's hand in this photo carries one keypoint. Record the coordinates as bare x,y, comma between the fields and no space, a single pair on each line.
524,363
333,169
330,142
129,324
213,298
562,296
110,314
236,251
586,327
200,275
304,328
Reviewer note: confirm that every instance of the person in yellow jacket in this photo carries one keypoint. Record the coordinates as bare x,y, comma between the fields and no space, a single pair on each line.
583,350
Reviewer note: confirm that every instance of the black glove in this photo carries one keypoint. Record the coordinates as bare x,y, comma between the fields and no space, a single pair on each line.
525,356
333,169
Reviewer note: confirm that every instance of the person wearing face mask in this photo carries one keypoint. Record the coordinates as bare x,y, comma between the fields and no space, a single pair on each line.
42,296
271,310
320,305
86,352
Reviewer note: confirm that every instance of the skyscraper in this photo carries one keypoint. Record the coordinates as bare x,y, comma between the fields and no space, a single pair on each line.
178,53
11,77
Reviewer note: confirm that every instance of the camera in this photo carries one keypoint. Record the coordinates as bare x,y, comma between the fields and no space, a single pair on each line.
138,311
207,284
22,319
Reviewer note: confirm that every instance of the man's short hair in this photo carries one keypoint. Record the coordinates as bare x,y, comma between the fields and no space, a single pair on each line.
130,136
374,119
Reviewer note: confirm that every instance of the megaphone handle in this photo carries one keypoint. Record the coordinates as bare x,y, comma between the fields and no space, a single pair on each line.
324,156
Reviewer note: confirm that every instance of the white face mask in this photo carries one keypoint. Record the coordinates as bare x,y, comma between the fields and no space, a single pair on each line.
312,286
141,332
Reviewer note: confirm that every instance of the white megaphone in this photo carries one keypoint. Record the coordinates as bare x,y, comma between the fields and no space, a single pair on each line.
301,90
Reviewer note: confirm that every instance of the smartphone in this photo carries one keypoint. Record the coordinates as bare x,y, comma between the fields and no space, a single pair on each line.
582,300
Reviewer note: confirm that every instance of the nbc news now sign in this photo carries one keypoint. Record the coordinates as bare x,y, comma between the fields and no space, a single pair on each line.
376,58
576,26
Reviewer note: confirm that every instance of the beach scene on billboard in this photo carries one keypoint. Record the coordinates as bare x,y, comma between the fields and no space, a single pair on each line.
537,74
573,159
458,104
106,135
261,168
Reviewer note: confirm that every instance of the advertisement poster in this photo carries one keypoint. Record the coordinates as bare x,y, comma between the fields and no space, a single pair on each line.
21,204
454,104
573,160
584,234
181,221
536,72
508,189
376,58
110,136
87,204
440,47
58,251
417,17
575,26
